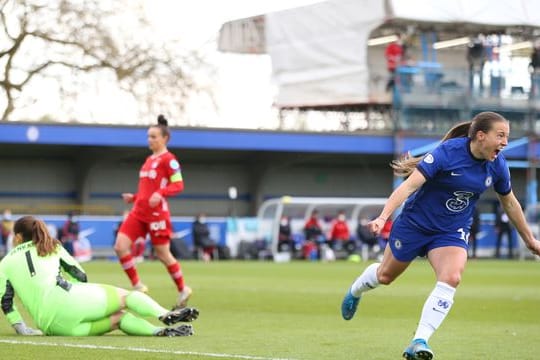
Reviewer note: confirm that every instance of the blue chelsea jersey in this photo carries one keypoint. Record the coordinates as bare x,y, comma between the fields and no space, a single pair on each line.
455,179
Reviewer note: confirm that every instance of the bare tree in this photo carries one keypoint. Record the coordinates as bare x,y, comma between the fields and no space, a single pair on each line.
70,43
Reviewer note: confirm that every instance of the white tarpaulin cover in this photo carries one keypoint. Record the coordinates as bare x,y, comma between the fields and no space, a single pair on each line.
319,52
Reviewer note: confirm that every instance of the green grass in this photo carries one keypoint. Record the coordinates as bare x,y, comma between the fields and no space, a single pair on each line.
267,310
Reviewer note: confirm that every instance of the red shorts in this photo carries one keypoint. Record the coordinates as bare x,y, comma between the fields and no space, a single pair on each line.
160,229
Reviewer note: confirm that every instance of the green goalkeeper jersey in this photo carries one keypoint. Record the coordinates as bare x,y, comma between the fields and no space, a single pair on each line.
37,280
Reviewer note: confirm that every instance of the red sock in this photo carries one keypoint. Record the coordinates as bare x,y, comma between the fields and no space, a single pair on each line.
177,276
128,264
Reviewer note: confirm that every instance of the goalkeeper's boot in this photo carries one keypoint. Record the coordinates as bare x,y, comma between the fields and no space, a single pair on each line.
182,330
418,350
183,297
140,287
180,315
349,305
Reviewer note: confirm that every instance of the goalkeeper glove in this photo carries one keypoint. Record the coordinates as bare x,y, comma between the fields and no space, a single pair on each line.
22,329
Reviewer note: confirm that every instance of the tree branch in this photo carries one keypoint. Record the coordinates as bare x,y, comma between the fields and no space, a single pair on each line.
7,85
33,72
81,36
4,25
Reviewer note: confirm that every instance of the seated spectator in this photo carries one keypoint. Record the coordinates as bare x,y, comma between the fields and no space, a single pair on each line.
314,236
285,240
69,233
312,227
340,236
201,238
367,241
6,230
385,235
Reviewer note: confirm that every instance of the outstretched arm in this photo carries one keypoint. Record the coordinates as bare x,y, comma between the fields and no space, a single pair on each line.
513,209
398,196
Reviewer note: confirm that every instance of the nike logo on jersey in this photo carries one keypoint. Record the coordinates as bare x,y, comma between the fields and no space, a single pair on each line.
455,174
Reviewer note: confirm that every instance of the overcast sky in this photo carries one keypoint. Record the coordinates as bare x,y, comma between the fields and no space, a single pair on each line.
244,91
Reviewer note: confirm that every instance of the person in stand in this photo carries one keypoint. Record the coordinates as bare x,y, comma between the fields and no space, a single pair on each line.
394,54
69,233
201,237
53,288
475,229
476,59
440,195
285,239
367,241
314,236
160,177
503,227
534,69
340,235
6,230
384,235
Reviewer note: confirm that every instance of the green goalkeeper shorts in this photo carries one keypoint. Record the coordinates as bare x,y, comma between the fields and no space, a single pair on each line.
83,310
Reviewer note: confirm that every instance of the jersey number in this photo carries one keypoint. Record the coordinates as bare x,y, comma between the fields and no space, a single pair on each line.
464,235
30,263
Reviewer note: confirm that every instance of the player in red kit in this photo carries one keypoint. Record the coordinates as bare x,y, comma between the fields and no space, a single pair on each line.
160,177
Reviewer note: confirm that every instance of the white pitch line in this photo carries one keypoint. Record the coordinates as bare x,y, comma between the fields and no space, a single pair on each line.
137,349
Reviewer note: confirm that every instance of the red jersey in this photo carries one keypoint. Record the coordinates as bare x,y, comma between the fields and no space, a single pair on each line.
160,174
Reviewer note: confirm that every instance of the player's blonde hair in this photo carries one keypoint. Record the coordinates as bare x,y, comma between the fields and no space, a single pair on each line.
483,121
35,230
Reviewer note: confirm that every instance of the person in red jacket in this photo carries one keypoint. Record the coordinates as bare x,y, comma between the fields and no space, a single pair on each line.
339,233
313,236
394,55
159,178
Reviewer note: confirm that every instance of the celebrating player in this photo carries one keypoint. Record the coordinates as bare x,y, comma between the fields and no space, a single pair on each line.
159,177
52,287
441,190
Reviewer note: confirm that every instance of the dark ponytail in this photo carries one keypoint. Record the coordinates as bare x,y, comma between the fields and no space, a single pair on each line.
163,126
162,120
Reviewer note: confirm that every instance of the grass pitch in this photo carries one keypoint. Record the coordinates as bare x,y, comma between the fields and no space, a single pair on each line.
265,311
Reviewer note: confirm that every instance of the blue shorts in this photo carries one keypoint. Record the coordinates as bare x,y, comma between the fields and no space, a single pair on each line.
407,241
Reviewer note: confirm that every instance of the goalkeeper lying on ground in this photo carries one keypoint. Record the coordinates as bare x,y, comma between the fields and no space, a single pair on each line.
52,287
